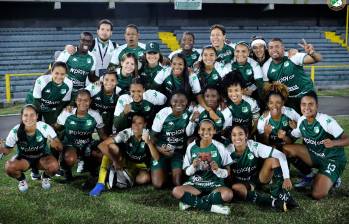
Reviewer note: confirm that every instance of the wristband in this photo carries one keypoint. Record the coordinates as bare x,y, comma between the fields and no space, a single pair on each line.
190,170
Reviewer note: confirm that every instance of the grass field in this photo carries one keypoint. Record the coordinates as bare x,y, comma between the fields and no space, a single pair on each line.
69,204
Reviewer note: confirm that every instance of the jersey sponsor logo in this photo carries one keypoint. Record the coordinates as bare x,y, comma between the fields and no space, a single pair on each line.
293,88
76,71
286,78
247,169
313,142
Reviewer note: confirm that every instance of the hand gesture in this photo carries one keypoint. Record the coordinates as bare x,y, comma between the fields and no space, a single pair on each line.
196,162
291,52
287,184
70,49
214,166
195,117
308,48
267,128
69,109
127,109
146,137
281,134
293,124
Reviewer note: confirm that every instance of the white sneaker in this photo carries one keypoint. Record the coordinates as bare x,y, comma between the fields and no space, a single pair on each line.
220,209
45,183
80,167
183,206
23,186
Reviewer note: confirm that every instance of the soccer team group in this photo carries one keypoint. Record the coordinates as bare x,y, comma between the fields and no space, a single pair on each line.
216,124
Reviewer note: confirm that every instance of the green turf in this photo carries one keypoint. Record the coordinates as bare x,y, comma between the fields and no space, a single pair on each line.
13,109
69,204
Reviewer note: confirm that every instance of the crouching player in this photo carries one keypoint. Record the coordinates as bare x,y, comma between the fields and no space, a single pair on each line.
131,151
206,162
33,151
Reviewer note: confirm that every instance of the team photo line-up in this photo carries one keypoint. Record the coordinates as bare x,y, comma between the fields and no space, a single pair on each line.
216,124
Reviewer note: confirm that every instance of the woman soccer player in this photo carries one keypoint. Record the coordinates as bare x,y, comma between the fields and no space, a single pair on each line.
168,132
128,71
104,98
78,126
247,173
131,152
324,141
206,162
138,101
51,93
33,151
259,50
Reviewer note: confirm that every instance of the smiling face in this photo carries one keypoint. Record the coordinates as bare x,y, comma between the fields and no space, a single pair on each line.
104,32
131,37
29,117
138,124
276,50
309,107
177,65
179,103
217,38
241,53
209,56
58,74
109,82
128,65
136,91
206,131
152,58
275,104
83,102
187,42
85,43
239,138
235,93
259,50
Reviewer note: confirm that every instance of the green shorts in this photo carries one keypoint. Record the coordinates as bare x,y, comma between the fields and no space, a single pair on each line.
205,187
330,167
33,162
173,162
133,168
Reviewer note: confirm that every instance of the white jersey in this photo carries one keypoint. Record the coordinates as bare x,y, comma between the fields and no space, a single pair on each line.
61,120
44,80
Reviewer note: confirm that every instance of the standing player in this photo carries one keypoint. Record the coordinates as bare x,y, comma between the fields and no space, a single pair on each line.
206,162
324,142
225,52
81,65
191,54
33,151
132,46
168,132
290,71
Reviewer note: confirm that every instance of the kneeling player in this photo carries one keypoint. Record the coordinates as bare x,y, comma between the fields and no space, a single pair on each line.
32,150
206,162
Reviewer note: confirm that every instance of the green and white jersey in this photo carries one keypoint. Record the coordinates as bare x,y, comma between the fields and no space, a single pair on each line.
314,134
226,54
135,150
50,94
172,83
290,72
124,49
244,167
203,175
148,75
215,77
251,72
190,58
204,115
78,130
146,106
124,82
243,113
171,129
103,53
79,67
288,114
36,145
102,102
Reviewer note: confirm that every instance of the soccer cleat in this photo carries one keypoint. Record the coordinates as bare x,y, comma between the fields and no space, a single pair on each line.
45,183
183,206
291,203
338,183
35,175
23,186
97,190
305,182
80,167
220,209
279,205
